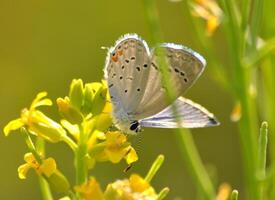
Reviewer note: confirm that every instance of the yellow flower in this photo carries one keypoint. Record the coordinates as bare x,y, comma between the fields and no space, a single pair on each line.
236,113
90,190
36,122
210,11
224,192
114,148
134,188
47,167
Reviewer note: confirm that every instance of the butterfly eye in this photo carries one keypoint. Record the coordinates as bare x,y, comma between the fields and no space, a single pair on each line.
134,125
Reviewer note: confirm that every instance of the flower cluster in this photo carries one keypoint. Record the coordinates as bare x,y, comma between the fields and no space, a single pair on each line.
134,188
85,126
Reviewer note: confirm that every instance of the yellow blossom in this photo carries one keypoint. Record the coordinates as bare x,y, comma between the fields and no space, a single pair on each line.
87,106
114,148
224,192
210,11
236,113
47,167
90,190
37,122
134,188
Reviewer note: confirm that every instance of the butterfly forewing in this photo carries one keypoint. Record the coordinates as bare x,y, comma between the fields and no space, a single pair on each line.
127,71
185,66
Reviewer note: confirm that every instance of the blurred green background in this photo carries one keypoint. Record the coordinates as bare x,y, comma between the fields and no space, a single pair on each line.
45,44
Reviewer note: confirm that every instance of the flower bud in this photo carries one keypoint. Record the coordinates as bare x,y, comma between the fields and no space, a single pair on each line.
58,182
68,111
76,93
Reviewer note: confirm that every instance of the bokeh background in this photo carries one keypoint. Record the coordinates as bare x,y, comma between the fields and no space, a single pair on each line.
45,44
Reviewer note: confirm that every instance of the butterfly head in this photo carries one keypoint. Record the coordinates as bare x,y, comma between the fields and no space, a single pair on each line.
135,126
129,127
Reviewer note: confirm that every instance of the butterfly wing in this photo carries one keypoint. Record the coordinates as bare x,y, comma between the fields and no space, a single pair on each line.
126,71
185,66
190,115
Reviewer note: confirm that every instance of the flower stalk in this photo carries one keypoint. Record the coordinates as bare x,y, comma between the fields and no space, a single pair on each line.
154,168
80,159
234,195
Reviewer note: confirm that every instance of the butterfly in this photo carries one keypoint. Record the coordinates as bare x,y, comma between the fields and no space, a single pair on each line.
137,95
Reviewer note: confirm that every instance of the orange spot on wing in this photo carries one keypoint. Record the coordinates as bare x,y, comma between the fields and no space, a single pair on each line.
120,52
115,58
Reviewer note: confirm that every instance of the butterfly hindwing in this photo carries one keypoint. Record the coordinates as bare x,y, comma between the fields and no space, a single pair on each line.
190,115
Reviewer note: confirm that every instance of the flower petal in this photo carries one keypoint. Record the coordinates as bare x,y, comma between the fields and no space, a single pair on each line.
72,129
23,170
13,125
131,156
48,167
90,190
44,102
138,184
38,97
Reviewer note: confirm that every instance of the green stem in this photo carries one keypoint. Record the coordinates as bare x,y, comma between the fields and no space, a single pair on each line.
194,164
163,193
31,146
255,57
242,78
188,148
44,186
217,71
262,157
45,189
154,168
256,16
80,159
262,150
234,195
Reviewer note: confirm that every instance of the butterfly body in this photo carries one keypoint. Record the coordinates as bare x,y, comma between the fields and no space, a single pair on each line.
123,121
136,90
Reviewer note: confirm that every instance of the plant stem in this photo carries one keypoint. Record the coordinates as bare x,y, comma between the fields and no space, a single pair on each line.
262,149
154,168
256,16
194,164
262,157
217,71
31,146
248,122
44,186
234,195
80,160
163,193
186,144
37,151
45,189
263,52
